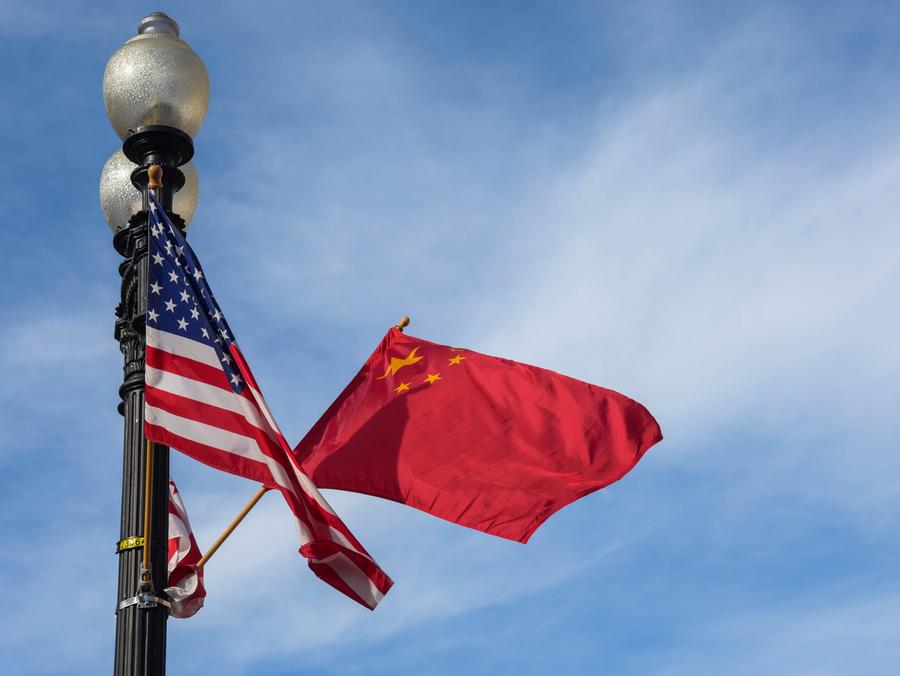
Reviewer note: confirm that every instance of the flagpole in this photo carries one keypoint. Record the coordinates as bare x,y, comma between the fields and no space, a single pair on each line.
148,511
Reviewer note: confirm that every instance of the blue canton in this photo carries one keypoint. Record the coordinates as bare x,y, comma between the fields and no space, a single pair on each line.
179,300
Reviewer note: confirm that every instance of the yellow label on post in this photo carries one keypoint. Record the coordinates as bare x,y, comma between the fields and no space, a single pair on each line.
130,543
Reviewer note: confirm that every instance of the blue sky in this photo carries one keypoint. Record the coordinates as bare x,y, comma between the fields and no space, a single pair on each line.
692,203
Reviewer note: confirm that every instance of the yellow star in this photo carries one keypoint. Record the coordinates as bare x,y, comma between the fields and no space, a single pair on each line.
456,360
397,363
401,388
432,378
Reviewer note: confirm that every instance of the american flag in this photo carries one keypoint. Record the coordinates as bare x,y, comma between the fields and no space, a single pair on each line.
185,588
202,400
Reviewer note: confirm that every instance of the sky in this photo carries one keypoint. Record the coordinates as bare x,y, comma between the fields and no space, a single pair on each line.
693,203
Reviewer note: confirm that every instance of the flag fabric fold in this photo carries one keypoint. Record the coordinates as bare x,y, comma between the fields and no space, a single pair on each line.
202,399
481,441
186,590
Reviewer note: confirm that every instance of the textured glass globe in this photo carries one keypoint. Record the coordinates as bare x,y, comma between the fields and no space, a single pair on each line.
156,78
120,200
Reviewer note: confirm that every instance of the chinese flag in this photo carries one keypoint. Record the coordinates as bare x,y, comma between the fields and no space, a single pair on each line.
481,441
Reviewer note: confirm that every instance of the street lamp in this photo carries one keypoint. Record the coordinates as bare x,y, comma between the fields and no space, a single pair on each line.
156,93
120,199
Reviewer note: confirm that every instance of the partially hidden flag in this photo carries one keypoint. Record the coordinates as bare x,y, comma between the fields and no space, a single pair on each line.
481,441
185,590
202,400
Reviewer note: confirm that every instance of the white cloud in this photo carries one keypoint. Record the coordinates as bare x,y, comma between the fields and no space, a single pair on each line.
735,282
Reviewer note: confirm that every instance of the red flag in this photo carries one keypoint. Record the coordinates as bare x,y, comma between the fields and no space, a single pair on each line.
185,588
484,442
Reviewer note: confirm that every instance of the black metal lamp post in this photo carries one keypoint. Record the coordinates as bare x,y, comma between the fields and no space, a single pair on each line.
156,92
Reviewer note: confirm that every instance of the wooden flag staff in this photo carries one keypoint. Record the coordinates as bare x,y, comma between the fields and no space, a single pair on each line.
148,513
402,324
154,182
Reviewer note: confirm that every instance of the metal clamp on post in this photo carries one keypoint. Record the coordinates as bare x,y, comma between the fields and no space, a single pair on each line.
146,597
144,601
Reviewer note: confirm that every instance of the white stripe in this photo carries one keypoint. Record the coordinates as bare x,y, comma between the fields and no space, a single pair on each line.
341,539
355,578
244,446
179,532
332,534
216,437
175,500
201,433
206,394
183,347
215,396
305,482
281,478
261,401
304,534
312,491
236,444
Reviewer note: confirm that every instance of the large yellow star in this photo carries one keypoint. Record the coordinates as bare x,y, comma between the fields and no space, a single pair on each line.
402,387
397,363
432,378
456,360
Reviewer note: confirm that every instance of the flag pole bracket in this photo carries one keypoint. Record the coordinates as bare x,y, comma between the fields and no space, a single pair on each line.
144,601
146,597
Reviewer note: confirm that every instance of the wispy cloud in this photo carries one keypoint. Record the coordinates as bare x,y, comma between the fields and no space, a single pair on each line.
709,230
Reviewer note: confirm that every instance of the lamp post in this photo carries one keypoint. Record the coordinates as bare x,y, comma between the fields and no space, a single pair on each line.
156,92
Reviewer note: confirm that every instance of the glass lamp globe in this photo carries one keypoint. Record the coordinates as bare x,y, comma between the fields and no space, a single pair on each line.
156,78
120,200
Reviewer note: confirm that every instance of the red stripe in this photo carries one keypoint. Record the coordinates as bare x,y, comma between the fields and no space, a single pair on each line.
324,548
243,366
208,414
195,370
189,368
305,508
326,573
307,505
212,456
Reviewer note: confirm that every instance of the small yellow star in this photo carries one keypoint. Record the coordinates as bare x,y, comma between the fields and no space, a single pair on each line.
456,360
402,387
432,378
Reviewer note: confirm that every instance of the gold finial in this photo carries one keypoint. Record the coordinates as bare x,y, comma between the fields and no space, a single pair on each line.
155,173
403,323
